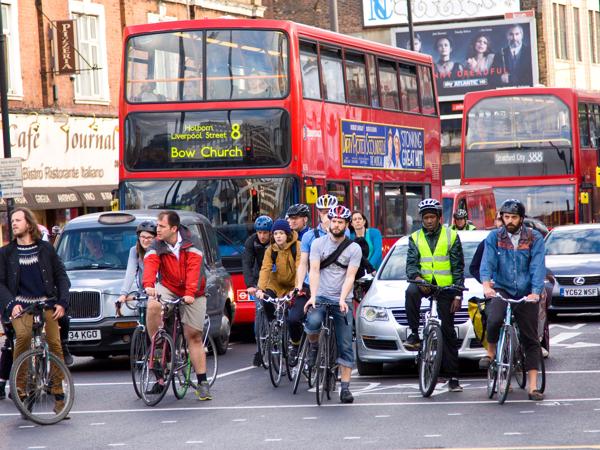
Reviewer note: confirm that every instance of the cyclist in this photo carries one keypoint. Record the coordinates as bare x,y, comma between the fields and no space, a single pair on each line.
146,232
333,284
252,258
297,216
461,221
435,255
31,271
179,261
278,271
514,259
296,313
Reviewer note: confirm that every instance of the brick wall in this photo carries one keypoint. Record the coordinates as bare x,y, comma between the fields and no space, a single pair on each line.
316,13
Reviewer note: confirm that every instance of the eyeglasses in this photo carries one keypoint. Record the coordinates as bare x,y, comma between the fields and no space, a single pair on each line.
147,238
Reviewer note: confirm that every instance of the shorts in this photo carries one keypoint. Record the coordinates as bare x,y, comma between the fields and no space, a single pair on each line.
191,315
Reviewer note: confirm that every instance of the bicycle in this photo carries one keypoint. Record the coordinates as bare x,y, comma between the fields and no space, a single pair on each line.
326,368
167,359
263,334
430,354
277,342
139,338
41,384
302,368
510,358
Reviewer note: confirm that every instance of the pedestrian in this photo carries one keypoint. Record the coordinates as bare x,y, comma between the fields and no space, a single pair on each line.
361,233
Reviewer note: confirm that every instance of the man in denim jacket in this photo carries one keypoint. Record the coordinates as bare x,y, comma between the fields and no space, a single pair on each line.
513,265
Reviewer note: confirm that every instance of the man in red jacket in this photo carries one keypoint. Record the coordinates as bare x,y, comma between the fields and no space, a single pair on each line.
179,262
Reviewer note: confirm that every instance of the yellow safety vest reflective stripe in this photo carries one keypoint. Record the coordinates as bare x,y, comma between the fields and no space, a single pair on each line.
437,264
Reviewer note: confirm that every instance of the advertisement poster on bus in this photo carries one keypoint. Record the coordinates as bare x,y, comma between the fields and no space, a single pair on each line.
369,145
477,56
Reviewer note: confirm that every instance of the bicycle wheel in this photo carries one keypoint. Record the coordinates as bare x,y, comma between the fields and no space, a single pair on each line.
322,371
541,376
300,370
333,367
137,353
212,359
492,378
285,340
519,366
42,387
263,337
157,372
430,360
505,362
182,367
275,354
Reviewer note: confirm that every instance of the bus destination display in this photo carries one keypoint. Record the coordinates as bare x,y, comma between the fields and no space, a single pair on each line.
208,142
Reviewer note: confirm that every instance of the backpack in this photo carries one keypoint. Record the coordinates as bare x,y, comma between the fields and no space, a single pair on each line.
479,319
293,248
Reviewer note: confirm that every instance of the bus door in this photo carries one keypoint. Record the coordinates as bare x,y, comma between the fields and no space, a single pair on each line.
313,188
361,198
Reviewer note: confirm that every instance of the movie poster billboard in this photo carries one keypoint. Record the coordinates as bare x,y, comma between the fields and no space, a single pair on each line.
368,145
477,56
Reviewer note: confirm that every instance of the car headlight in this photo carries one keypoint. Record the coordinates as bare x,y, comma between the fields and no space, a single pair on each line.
372,313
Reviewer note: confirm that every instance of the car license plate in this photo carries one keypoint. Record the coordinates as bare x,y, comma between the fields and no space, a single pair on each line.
579,292
84,335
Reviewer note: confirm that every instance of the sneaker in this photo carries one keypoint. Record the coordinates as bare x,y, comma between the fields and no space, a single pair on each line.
545,353
202,392
536,396
484,363
413,342
312,354
346,396
67,357
257,361
454,385
2,390
156,388
293,355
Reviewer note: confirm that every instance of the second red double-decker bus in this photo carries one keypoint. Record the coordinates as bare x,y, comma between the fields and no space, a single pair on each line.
539,145
236,118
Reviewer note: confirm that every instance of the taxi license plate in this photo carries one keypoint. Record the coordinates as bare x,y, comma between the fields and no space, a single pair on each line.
579,292
84,335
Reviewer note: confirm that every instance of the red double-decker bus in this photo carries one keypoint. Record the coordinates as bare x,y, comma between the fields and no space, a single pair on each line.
237,118
540,145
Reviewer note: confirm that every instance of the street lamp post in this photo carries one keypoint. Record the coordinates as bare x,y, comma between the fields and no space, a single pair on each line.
411,34
4,108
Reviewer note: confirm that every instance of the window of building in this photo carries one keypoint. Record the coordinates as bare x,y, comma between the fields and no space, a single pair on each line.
408,86
594,31
426,86
91,84
333,75
577,34
373,81
356,78
388,84
10,30
311,88
560,31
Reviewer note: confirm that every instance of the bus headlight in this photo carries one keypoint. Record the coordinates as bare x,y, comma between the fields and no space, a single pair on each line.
373,313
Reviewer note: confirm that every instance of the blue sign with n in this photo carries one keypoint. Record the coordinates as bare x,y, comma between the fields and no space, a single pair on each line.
381,9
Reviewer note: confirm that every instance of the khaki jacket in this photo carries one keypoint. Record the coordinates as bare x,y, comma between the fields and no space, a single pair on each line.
283,280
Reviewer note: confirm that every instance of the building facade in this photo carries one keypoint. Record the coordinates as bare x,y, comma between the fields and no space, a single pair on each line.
63,92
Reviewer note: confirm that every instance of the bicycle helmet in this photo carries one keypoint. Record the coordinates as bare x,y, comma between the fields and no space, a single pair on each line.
148,226
430,205
460,214
327,201
513,206
263,223
299,209
340,212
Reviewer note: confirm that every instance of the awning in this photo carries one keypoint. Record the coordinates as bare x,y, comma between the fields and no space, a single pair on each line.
95,196
47,198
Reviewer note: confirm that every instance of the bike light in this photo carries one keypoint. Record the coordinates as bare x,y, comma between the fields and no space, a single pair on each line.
372,313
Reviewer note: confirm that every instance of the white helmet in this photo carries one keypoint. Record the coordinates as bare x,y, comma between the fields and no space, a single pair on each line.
327,201
430,205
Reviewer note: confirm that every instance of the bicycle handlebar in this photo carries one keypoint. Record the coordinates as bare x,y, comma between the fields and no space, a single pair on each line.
285,298
43,304
512,300
435,287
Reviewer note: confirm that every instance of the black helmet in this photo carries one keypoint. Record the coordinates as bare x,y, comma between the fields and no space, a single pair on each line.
299,209
513,206
430,205
460,214
148,226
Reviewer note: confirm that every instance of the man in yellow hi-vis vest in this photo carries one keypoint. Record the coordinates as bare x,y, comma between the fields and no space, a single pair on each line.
435,255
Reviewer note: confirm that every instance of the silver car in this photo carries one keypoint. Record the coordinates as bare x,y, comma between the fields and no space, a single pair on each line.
381,323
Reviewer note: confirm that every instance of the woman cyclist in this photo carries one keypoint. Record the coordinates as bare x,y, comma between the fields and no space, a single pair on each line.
146,232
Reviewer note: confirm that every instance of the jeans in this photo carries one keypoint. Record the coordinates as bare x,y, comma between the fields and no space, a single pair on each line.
343,331
295,318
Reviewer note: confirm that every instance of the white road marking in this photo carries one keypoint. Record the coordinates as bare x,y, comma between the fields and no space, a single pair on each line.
25,426
577,326
97,423
39,446
557,340
591,431
239,420
348,438
526,412
432,435
273,440
382,416
554,340
194,442
117,444
310,418
512,433
455,414
168,421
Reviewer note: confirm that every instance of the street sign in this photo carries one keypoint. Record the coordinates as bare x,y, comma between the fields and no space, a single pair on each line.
11,178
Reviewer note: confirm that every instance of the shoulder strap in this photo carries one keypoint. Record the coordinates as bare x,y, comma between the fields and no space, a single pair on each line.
336,254
293,248
316,232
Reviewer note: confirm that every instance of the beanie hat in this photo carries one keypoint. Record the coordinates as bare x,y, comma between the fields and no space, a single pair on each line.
282,225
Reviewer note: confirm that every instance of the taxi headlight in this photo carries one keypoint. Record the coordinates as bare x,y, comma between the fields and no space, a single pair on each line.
373,313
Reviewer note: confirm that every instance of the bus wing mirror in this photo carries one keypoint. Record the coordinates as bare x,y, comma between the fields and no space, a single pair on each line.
597,176
311,195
